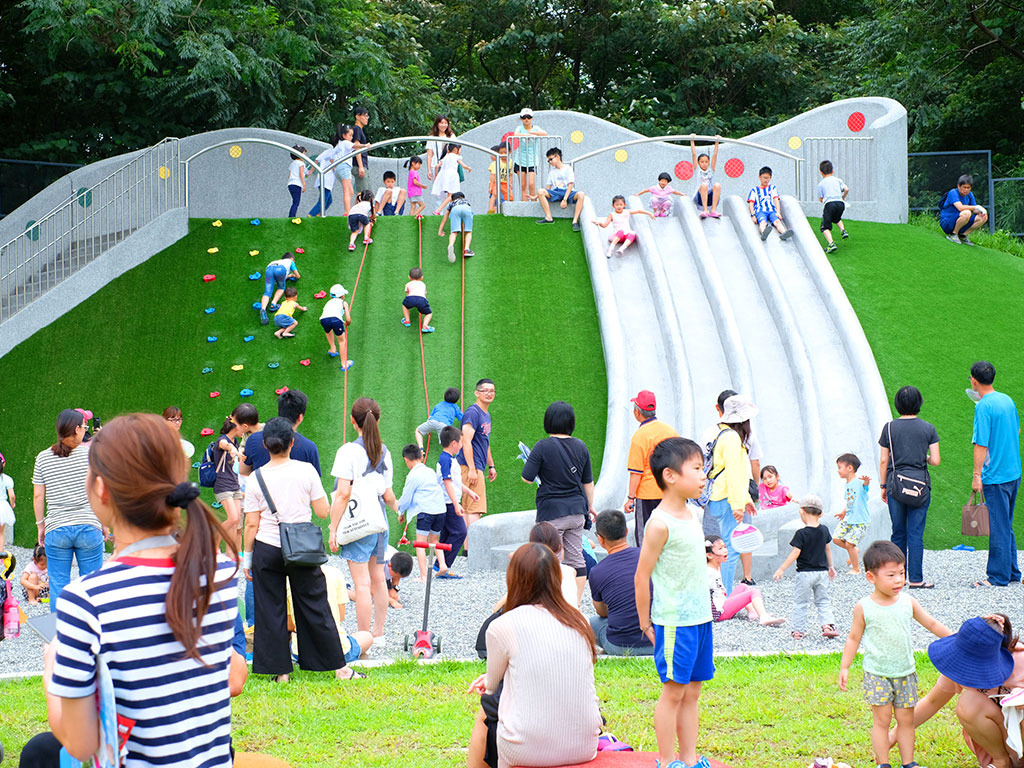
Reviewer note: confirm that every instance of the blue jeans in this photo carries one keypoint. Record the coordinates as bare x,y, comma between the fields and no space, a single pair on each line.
296,193
908,535
1002,544
84,542
599,624
315,210
722,512
250,604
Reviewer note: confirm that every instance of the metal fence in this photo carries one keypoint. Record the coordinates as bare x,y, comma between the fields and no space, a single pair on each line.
853,160
526,153
930,176
1008,204
86,224
21,180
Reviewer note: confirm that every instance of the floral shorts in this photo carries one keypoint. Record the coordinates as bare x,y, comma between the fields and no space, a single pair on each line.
901,692
851,532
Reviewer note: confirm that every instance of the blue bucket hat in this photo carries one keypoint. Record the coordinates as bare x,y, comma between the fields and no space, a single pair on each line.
974,657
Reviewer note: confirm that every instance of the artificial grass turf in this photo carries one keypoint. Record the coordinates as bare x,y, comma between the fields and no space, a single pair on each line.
930,309
779,711
140,343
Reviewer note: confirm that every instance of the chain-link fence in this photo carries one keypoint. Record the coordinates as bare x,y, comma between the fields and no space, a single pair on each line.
930,176
1008,204
21,180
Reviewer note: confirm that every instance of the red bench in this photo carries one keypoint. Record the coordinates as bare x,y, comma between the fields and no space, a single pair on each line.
629,760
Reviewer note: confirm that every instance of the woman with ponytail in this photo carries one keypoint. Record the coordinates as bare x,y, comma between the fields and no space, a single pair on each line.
294,487
226,488
157,619
363,467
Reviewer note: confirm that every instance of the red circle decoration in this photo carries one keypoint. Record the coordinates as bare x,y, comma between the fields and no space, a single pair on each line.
733,167
684,170
855,122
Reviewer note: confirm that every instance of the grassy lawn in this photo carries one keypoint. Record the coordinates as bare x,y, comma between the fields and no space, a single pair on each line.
140,343
930,309
779,711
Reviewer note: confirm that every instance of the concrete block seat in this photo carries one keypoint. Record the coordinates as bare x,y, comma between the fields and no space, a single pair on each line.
629,760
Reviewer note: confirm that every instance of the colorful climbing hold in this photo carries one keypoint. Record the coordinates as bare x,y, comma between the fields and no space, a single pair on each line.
273,365
254,276
211,339
281,391
296,221
247,339
237,367
209,278
213,250
207,370
254,253
320,295
255,222
304,362
205,431
210,310
300,250
195,464
217,223
246,392
257,305
217,505
215,394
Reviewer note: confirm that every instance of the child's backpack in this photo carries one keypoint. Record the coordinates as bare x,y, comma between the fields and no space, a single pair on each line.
709,462
207,469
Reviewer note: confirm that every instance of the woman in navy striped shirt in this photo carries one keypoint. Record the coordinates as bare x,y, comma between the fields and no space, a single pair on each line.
153,627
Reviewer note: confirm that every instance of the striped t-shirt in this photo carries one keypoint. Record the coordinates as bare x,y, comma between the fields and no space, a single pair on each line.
181,706
763,198
64,478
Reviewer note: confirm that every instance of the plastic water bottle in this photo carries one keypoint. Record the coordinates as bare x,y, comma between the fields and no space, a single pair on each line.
12,619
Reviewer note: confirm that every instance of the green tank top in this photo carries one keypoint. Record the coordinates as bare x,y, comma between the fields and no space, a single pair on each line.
680,575
887,643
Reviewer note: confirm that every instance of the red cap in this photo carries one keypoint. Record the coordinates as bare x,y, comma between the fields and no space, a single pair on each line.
645,400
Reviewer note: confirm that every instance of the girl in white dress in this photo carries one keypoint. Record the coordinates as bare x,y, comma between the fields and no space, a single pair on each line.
447,180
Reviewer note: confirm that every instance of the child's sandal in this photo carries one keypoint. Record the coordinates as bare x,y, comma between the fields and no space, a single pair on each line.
798,635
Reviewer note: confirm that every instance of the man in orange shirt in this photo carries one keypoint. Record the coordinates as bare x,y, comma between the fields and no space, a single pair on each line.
644,493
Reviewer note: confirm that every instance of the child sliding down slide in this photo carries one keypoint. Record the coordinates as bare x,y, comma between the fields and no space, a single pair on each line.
621,234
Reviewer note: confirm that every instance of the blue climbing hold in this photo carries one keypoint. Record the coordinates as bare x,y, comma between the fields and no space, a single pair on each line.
292,279
246,392
207,370
255,222
195,465
210,310
247,339
257,305
254,276
273,365
963,548
274,307
211,339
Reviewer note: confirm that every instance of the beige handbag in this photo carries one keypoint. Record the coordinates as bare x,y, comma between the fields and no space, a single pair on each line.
974,521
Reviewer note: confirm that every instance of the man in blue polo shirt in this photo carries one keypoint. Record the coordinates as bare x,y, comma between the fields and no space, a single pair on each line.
617,625
291,405
996,472
475,456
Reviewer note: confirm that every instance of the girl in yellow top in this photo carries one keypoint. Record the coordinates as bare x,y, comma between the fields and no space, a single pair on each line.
730,490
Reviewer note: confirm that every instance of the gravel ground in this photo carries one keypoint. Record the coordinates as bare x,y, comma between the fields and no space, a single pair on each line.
458,607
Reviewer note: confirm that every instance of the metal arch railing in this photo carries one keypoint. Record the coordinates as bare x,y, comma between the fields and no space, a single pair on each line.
797,161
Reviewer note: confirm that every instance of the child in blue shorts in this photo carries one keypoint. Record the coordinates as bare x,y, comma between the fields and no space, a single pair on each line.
763,203
335,315
560,189
274,277
678,624
416,298
461,215
442,415
422,496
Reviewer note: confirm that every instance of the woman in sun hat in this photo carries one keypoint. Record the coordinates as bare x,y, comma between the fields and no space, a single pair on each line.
333,319
729,502
984,659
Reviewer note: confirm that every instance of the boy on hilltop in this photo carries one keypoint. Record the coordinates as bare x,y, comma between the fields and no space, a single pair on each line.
561,181
763,203
832,192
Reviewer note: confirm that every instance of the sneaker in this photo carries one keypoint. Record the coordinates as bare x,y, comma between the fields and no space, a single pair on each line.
767,231
829,630
715,215
953,239
748,582
351,246
468,254
367,240
575,226
380,642
427,329
406,323
451,254
786,235
832,248
966,240
846,235
263,317
545,221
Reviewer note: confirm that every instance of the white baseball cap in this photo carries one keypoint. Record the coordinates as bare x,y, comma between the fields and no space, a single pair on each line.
525,112
338,290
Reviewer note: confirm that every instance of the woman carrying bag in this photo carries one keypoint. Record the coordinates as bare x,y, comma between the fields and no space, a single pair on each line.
909,444
277,503
565,496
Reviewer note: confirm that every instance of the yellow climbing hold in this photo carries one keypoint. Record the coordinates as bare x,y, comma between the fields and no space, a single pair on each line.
218,223
254,253
237,367
212,250
235,151
576,137
296,221
795,142
621,155
164,172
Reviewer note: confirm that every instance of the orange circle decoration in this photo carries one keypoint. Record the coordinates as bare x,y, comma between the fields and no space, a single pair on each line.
684,170
576,137
733,167
855,122
235,151
164,172
621,155
795,142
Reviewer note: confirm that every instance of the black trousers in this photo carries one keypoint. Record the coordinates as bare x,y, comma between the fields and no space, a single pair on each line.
643,509
319,644
43,751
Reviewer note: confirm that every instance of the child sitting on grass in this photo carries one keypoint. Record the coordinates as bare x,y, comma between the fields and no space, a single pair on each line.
661,195
832,193
283,318
855,518
770,492
725,607
442,415
416,298
422,497
390,199
814,570
361,218
461,214
883,621
621,234
678,624
333,320
763,203
35,579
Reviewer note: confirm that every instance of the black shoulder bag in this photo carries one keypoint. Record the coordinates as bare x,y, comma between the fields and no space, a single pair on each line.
302,544
907,486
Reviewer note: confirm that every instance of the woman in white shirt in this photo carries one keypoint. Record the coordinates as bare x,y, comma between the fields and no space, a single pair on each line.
442,128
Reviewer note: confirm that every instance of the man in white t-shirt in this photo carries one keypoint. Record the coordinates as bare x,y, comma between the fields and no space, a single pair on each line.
559,189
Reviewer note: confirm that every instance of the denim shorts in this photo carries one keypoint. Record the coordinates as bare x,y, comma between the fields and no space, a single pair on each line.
344,170
462,218
556,195
274,278
283,321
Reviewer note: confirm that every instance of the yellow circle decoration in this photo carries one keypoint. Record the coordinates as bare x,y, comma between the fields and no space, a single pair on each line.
795,142
235,151
621,155
576,137
164,172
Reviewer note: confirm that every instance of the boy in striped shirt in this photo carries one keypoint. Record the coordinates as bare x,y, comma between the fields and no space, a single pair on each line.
763,203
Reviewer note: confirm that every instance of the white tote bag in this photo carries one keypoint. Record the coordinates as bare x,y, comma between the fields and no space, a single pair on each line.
364,514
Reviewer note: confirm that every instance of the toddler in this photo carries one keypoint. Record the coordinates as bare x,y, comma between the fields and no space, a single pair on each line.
416,298
296,180
621,234
725,607
361,218
390,199
423,498
335,315
34,579
497,183
6,503
709,191
769,491
447,180
442,415
883,622
855,517
832,193
814,569
678,624
415,186
283,318
461,214
661,195
763,203
398,567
